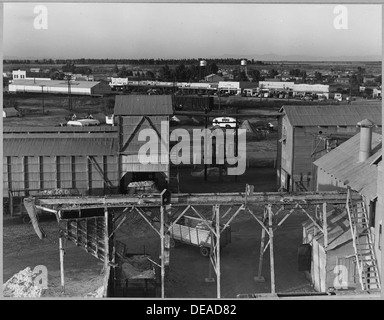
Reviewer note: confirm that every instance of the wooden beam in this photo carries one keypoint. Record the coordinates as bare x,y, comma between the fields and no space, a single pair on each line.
239,115
272,262
106,240
178,218
146,219
205,221
66,203
259,221
311,218
325,225
241,208
217,249
162,236
61,251
259,277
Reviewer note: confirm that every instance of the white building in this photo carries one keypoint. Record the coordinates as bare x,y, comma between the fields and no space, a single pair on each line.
376,93
54,86
318,89
118,82
230,87
276,85
19,74
22,75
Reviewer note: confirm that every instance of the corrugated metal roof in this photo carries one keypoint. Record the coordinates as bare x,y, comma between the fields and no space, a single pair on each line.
42,129
55,83
143,105
342,163
57,146
339,115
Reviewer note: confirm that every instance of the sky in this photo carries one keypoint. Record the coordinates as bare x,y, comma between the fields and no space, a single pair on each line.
190,30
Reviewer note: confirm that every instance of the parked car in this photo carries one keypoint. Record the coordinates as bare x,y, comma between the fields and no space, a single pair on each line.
338,97
83,122
224,122
307,98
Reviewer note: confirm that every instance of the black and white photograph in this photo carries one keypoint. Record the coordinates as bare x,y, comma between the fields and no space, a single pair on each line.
178,151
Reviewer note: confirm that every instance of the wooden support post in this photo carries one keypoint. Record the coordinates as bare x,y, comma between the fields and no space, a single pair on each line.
270,216
212,259
205,147
236,142
325,225
106,240
218,271
162,209
61,250
259,277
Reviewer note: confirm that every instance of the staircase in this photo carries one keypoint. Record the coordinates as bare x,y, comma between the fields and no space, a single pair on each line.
363,244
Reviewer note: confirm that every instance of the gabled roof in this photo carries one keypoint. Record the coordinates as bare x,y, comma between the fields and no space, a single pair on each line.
144,105
332,115
343,164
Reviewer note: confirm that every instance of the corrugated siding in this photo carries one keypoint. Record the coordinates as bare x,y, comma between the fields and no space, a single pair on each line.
342,115
143,105
59,146
48,172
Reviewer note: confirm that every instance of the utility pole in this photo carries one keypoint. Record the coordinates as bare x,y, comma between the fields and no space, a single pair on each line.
42,96
69,93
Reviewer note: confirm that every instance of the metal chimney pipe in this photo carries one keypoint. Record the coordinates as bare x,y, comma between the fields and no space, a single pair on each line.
365,139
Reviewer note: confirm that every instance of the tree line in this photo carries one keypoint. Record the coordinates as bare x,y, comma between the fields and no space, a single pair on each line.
148,62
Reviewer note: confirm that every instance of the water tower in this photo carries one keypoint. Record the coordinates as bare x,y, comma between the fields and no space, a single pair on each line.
203,65
243,66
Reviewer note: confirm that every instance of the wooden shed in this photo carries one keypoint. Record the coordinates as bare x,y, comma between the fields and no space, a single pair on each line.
134,114
333,263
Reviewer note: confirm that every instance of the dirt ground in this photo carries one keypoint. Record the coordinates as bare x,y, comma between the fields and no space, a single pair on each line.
239,261
22,248
188,269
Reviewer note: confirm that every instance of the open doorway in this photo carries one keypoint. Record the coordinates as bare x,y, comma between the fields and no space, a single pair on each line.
157,177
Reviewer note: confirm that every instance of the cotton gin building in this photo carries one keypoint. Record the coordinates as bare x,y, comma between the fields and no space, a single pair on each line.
306,133
41,158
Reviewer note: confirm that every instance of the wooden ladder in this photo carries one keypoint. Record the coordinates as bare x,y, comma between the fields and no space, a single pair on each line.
363,244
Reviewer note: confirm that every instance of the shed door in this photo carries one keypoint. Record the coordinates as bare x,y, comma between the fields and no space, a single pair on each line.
348,271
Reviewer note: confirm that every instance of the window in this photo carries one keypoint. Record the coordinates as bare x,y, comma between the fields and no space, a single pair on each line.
372,212
380,239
